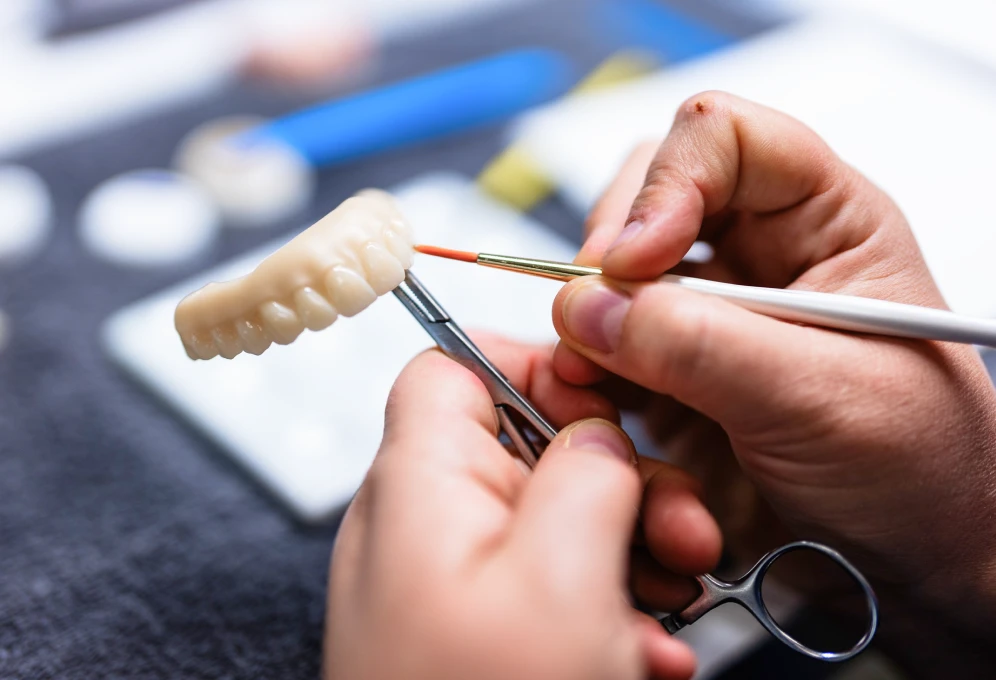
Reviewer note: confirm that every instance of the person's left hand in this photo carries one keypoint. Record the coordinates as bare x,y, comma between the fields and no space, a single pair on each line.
453,562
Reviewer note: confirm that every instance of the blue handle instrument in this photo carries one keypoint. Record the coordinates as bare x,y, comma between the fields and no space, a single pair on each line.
426,107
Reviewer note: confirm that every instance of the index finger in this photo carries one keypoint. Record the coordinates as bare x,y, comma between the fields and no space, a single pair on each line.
440,471
724,154
608,216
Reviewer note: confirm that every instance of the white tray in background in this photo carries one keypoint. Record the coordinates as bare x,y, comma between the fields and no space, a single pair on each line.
306,418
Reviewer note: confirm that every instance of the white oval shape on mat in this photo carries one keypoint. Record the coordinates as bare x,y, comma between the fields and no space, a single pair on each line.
25,213
148,218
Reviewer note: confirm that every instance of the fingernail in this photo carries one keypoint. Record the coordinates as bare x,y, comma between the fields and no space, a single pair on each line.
593,315
599,435
629,232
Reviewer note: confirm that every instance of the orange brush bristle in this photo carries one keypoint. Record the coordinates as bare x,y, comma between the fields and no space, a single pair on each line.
436,251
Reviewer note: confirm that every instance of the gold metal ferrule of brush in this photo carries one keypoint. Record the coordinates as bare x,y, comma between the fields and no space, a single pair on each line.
559,271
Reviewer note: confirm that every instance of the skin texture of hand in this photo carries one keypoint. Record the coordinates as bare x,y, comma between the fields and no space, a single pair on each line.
454,562
883,448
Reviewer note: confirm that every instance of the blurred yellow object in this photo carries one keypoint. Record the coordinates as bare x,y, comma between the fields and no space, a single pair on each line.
514,178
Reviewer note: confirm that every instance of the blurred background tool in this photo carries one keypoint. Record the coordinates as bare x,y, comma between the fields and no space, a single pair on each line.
512,177
672,33
255,181
427,107
262,172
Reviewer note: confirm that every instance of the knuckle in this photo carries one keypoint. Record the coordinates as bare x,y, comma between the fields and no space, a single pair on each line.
701,155
660,177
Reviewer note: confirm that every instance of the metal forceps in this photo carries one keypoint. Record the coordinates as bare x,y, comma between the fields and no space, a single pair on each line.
452,340
745,591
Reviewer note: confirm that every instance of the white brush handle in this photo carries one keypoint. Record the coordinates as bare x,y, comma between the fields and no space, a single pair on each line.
850,313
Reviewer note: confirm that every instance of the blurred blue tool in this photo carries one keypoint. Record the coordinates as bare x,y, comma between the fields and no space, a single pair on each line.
650,25
426,107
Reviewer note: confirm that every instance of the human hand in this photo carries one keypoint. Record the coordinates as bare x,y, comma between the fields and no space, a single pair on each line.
452,562
883,448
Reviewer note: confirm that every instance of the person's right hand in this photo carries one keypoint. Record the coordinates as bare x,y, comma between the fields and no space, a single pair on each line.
452,562
881,447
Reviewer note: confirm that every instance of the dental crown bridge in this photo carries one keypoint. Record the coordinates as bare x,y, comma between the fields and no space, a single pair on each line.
338,266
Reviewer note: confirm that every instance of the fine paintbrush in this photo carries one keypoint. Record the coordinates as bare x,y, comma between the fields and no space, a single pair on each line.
843,312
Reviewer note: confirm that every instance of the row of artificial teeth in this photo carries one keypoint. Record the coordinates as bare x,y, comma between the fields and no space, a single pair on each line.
346,293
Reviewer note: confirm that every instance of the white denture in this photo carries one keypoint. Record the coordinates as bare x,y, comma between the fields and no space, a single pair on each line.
338,266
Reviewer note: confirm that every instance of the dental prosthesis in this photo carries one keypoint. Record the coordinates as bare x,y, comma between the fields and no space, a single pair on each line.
338,266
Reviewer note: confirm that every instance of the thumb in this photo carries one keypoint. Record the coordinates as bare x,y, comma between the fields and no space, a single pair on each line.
576,515
733,365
